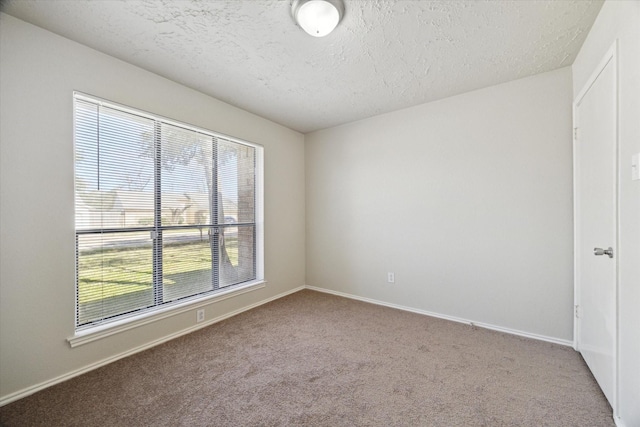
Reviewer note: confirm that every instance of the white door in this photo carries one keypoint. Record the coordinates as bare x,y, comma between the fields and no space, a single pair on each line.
595,148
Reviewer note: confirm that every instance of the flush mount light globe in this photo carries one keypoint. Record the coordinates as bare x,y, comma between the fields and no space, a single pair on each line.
317,17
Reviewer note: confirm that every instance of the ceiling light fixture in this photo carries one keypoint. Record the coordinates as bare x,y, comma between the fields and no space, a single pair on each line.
317,17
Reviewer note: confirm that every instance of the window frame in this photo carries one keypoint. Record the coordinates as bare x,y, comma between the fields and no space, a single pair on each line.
126,321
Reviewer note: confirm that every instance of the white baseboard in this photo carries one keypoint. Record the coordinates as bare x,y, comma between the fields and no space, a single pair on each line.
41,386
447,317
619,422
45,384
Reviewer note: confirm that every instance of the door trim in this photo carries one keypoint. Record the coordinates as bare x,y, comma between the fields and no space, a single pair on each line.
610,57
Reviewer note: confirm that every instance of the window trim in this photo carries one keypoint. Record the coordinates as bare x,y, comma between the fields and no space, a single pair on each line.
89,333
94,333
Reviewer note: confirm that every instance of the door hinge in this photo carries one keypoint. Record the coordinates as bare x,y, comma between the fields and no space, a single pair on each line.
576,311
575,134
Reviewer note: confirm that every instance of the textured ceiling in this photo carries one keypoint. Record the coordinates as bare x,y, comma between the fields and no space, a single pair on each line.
384,55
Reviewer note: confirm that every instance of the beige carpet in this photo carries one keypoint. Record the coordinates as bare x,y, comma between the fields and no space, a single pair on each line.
312,359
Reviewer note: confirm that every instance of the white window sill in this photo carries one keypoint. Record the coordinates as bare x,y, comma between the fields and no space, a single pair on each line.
102,331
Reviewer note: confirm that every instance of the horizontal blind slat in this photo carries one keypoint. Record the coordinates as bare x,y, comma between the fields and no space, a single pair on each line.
158,218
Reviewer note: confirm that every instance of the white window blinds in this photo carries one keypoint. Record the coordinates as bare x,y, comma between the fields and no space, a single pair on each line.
164,211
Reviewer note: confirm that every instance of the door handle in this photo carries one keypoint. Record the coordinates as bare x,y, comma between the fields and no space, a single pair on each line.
600,251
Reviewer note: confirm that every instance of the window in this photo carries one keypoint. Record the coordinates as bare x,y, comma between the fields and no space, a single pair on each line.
165,212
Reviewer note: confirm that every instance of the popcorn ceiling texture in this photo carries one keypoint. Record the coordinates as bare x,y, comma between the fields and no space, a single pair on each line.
385,55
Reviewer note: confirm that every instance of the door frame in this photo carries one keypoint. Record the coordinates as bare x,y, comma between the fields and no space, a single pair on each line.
611,57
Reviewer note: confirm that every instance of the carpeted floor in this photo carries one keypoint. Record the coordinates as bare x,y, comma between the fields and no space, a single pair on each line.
312,359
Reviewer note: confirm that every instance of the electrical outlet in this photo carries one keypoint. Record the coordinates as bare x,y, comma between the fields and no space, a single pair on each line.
200,315
391,278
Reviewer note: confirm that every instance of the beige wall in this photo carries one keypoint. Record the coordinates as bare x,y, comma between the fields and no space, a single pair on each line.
468,200
620,20
39,71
